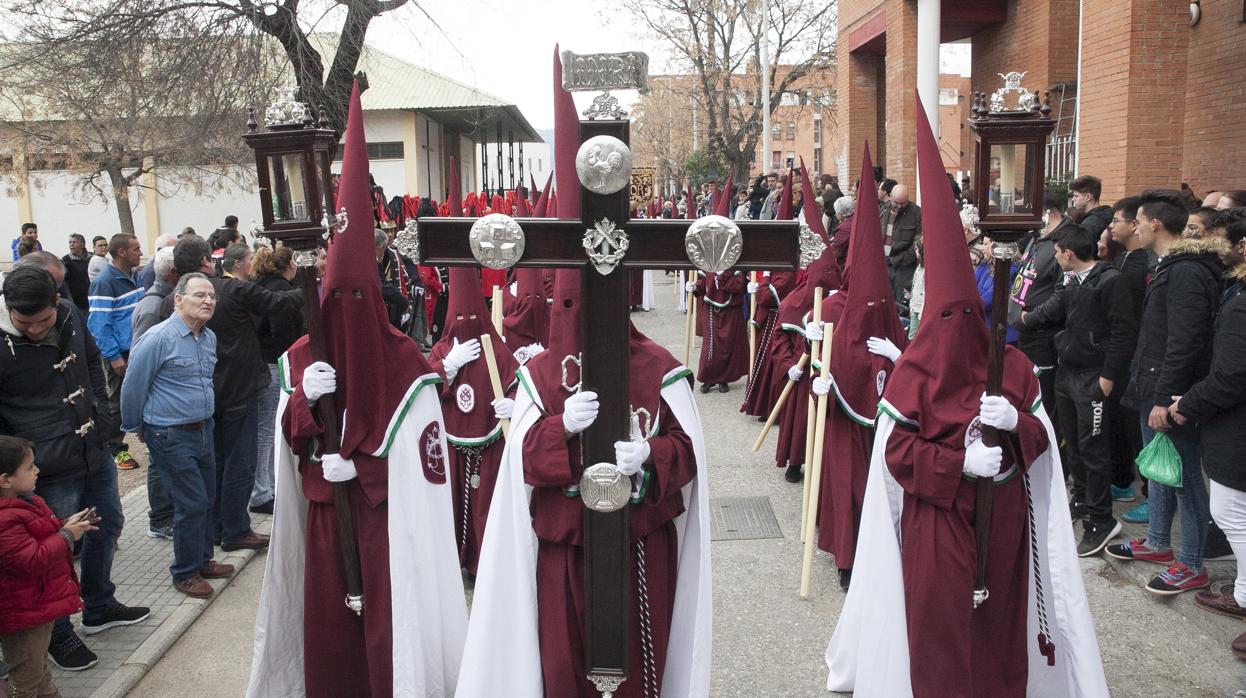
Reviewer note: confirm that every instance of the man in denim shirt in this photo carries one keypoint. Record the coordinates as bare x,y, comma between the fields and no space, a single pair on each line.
168,392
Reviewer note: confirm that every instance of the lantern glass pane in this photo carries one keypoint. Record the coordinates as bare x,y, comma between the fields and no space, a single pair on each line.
1011,190
285,176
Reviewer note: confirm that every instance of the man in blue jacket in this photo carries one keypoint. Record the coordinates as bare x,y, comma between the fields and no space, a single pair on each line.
111,301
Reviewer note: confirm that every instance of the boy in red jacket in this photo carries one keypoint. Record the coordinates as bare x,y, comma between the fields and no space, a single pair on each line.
37,580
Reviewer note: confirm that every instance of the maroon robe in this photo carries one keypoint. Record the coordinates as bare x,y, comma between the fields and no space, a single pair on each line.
527,315
635,287
785,351
765,380
552,464
724,349
955,649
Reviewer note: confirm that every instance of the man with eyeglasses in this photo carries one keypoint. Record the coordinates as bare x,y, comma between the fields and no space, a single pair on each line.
168,392
241,375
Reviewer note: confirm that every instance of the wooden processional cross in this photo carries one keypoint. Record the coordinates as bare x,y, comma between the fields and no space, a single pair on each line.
603,245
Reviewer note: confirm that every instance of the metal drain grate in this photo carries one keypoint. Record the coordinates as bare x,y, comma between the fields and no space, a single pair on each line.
742,518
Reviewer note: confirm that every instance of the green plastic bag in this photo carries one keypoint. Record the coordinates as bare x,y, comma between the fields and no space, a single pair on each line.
1160,462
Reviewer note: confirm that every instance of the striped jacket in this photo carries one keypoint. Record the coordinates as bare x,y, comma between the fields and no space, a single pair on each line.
111,302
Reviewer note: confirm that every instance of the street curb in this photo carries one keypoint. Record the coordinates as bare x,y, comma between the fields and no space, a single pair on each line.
145,656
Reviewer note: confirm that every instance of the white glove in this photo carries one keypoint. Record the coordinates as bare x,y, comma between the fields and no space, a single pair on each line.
998,412
460,355
579,411
881,346
794,373
821,386
337,469
982,460
814,331
630,456
753,286
319,379
690,286
503,407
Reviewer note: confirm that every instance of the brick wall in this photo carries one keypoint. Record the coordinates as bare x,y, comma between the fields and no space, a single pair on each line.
900,161
1133,103
1215,101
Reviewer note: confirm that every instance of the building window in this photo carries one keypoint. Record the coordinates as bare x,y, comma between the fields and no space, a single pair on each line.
817,133
789,99
817,160
790,159
380,151
775,158
791,130
948,96
776,132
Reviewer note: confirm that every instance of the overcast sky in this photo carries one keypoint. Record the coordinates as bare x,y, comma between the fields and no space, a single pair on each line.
506,48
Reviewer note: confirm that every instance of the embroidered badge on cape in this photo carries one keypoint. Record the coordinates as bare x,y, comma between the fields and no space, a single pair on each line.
880,381
973,432
432,455
465,398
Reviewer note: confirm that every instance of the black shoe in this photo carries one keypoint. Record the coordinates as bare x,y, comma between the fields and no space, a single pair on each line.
845,578
1095,536
1217,546
762,419
793,474
112,617
1077,510
71,655
723,387
705,387
265,508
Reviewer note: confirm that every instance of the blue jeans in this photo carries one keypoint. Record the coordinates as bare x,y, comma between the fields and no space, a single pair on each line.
1191,498
235,436
98,489
262,490
159,505
187,467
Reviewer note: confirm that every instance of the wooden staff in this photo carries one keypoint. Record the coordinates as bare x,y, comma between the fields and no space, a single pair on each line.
819,443
984,494
778,405
348,542
690,332
815,350
497,309
752,328
486,346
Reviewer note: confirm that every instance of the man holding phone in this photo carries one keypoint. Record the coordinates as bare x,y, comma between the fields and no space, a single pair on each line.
52,393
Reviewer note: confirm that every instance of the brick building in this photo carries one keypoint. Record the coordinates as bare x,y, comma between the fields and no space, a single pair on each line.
1160,101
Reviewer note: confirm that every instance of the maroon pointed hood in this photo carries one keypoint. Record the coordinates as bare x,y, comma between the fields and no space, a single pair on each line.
542,202
940,377
469,415
868,311
376,365
566,144
532,190
722,205
527,313
784,212
822,272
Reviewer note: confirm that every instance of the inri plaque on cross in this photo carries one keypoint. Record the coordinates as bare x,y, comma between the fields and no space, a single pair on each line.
603,244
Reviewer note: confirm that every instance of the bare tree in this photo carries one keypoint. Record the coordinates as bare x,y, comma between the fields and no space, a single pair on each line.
718,43
117,90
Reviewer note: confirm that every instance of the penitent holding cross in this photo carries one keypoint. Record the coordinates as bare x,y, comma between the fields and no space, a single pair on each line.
604,244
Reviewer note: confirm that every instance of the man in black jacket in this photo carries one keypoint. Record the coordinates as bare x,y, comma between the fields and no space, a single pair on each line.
240,375
1218,403
76,262
1099,328
1084,206
1174,352
902,229
52,393
1037,278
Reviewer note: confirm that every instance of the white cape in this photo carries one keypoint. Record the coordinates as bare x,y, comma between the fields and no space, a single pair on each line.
502,656
869,651
426,593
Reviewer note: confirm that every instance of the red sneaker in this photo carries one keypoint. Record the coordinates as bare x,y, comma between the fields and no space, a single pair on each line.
1176,579
1137,549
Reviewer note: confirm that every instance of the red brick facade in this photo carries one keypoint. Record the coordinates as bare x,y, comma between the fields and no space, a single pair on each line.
1161,103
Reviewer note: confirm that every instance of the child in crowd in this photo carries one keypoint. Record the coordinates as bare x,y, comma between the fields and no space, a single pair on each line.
37,580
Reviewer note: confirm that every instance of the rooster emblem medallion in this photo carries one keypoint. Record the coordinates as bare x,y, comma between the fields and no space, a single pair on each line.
604,164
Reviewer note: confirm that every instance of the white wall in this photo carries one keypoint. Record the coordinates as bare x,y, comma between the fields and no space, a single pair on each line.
10,219
61,207
204,208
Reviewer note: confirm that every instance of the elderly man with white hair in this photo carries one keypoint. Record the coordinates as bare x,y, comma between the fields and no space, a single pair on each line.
147,273
902,227
146,315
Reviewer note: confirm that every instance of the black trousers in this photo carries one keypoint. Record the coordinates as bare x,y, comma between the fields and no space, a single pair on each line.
1087,425
1126,441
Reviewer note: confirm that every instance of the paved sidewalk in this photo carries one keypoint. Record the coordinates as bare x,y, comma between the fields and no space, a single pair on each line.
141,573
